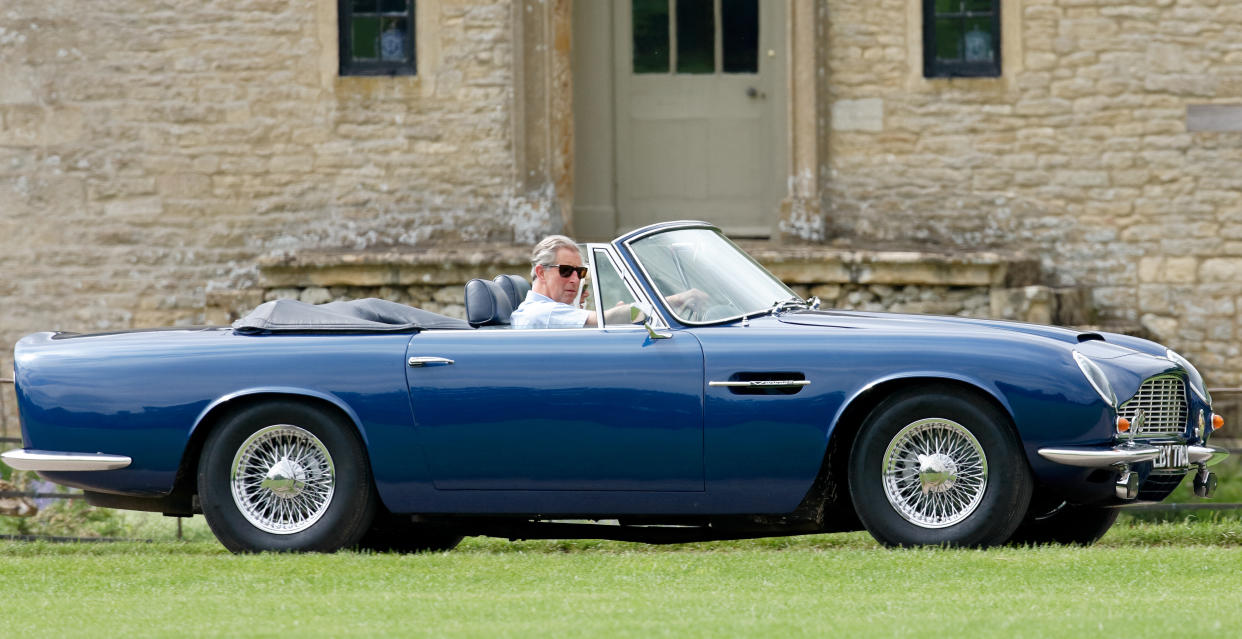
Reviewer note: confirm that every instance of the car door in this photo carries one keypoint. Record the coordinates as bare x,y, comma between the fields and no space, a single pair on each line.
769,403
601,409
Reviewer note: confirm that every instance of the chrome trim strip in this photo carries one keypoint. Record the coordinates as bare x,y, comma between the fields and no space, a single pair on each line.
426,361
659,227
765,383
1100,457
26,459
1206,455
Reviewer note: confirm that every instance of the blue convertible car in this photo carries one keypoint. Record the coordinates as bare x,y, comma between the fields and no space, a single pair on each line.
748,413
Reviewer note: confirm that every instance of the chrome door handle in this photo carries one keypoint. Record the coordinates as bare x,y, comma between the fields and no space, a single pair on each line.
428,361
765,383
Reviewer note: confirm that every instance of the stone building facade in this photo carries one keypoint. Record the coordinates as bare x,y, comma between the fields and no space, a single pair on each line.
171,161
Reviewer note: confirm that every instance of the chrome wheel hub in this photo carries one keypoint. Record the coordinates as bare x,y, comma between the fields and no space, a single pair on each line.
286,479
934,473
282,479
937,473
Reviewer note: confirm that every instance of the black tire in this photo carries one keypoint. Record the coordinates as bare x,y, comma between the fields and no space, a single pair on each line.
958,474
321,500
1065,525
396,533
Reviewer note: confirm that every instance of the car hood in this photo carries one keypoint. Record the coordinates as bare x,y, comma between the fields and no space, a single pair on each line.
1096,343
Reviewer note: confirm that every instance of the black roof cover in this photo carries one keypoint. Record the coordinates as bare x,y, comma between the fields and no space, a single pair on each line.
369,315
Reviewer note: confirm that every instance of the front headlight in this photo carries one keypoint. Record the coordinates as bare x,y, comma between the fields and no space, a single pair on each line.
1095,375
1192,374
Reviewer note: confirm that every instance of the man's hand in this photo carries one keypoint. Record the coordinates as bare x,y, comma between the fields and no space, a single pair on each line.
687,301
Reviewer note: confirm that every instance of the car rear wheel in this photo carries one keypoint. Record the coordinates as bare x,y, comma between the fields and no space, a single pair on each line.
1066,525
284,476
934,467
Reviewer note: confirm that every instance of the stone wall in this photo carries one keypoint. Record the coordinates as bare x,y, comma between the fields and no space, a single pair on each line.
151,150
9,427
1079,154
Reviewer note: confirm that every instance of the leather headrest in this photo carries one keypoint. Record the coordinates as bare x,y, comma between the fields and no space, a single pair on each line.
486,303
515,286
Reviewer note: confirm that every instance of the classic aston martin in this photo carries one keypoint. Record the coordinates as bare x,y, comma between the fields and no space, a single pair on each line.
748,413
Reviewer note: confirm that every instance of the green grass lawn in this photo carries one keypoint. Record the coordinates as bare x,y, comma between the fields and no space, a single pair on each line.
1145,579
1175,574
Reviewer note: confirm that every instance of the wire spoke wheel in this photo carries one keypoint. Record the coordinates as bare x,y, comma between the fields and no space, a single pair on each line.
282,479
939,465
935,473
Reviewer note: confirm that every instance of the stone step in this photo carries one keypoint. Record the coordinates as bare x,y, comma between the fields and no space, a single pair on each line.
970,283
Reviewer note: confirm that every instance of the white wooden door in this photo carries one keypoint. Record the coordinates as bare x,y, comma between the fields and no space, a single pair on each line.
700,106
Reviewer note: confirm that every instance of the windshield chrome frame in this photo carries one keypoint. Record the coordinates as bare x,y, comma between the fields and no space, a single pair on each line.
681,226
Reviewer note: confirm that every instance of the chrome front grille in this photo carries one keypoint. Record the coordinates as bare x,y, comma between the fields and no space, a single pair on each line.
1163,400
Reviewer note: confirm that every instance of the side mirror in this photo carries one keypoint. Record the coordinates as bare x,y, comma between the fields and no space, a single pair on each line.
642,312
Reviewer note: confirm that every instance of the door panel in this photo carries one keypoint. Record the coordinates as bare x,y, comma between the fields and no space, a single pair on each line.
670,175
559,410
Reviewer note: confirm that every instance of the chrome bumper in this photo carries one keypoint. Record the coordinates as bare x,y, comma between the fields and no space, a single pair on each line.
1134,454
26,459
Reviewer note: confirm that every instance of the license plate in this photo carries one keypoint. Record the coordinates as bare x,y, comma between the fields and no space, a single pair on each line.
1172,456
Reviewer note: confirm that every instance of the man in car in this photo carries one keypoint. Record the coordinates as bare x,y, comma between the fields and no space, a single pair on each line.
556,276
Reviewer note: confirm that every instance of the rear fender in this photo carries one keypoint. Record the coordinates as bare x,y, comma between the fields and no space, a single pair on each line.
222,407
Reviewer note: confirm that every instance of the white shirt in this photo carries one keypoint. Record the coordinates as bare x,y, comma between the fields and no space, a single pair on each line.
541,311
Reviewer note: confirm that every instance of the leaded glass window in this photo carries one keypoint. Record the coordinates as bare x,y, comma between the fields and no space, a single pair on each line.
961,38
695,36
377,37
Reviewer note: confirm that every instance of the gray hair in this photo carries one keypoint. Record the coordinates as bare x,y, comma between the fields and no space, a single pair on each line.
544,253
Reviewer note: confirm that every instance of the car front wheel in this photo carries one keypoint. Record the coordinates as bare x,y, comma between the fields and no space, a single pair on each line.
935,467
284,476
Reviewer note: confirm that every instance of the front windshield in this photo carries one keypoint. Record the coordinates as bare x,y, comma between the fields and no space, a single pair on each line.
704,277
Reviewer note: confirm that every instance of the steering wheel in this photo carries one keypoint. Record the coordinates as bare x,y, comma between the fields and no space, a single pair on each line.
707,312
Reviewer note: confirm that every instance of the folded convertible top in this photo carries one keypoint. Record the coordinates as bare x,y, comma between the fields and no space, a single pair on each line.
369,315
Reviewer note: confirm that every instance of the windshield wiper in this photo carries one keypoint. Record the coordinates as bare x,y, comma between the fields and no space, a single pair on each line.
793,302
782,305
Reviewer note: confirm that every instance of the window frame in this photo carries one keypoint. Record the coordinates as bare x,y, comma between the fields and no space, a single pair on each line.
591,250
720,45
348,66
932,68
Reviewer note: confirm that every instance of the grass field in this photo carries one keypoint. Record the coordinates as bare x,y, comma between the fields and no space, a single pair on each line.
1154,574
1143,579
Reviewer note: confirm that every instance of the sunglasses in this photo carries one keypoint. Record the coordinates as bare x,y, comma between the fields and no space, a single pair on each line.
566,270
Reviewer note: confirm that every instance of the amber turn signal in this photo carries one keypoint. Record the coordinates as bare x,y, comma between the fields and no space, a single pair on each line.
1218,422
1123,425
